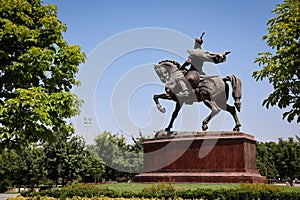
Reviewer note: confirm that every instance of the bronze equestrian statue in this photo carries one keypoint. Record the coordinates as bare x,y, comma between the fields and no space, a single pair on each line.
189,86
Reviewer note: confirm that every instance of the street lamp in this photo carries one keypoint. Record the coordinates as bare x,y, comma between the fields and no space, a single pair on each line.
87,124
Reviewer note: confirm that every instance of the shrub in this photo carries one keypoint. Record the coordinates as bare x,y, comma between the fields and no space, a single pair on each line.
79,190
3,188
260,187
165,190
168,191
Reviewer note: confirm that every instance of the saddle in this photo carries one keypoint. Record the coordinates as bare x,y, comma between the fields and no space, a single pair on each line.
196,79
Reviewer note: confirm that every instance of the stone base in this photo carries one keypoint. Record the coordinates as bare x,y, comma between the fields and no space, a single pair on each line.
210,157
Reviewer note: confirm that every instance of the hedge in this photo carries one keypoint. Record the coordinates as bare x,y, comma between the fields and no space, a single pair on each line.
168,191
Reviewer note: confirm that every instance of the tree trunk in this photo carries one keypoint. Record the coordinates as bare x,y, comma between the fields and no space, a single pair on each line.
38,182
291,182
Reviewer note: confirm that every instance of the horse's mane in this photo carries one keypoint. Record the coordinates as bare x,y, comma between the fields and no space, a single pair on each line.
171,61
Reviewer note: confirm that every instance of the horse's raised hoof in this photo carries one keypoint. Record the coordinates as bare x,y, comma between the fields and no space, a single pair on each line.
204,127
161,109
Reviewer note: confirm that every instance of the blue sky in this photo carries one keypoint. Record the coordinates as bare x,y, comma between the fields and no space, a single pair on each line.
135,32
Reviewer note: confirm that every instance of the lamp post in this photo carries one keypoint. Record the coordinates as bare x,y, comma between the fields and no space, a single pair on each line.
87,124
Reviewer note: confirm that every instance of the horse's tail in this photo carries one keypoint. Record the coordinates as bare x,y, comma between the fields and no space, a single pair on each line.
236,84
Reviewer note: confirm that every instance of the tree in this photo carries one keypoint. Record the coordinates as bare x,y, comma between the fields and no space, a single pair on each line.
8,164
280,159
15,168
36,158
287,158
109,148
22,167
95,166
282,67
37,73
66,158
122,160
265,160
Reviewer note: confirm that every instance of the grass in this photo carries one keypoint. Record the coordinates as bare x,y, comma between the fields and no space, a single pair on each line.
138,187
288,188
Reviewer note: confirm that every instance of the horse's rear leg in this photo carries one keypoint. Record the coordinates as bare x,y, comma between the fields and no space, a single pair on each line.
232,111
214,111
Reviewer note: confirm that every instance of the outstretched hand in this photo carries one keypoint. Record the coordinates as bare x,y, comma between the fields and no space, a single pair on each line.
199,39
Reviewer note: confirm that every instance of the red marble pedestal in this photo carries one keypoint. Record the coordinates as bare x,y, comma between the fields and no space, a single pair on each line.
214,157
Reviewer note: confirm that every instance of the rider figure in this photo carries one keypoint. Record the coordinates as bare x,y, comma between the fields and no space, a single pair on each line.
198,56
196,59
198,67
193,73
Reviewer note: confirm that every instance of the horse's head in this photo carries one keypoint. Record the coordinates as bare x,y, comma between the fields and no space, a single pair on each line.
165,69
162,72
219,57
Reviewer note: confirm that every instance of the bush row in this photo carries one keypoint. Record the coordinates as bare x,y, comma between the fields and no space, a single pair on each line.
237,194
167,190
80,198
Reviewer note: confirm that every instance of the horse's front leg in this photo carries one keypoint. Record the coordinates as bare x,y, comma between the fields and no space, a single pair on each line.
174,115
161,96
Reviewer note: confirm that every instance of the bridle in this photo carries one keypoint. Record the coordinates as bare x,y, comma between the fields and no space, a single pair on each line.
158,69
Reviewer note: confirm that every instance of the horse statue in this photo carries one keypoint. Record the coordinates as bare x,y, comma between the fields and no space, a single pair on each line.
213,91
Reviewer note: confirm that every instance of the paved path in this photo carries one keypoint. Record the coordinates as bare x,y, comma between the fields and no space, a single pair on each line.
4,196
283,184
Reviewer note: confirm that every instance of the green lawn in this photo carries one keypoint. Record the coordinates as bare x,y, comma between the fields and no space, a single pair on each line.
138,187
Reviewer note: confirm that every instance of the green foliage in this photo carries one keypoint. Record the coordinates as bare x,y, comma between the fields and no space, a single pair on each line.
160,190
22,167
57,162
66,158
78,190
279,160
245,191
122,160
265,187
95,166
283,67
37,73
265,157
288,158
168,191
